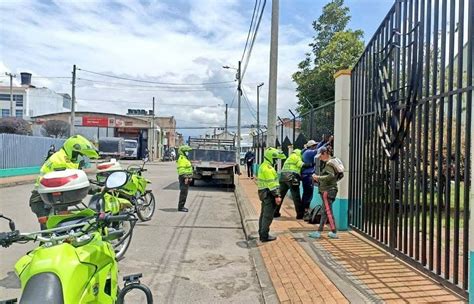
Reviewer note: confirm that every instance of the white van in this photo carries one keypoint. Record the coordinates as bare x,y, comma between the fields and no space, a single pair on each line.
131,148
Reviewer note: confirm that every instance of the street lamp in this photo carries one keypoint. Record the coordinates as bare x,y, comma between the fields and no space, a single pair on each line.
239,94
258,111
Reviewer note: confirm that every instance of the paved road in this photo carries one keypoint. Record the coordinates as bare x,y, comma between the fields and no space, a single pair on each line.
198,257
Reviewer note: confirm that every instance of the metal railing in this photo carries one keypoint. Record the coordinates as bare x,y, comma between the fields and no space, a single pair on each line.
410,137
313,124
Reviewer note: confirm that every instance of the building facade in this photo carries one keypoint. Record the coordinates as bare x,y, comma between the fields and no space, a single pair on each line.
30,101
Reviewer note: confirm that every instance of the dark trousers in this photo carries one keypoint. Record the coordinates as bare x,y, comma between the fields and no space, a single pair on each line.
295,195
183,191
39,207
308,189
266,213
250,169
326,212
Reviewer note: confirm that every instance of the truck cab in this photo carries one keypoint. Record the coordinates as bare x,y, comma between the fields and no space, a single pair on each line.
131,148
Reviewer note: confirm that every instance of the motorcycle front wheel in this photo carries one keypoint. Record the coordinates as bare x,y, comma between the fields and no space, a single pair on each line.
146,206
121,245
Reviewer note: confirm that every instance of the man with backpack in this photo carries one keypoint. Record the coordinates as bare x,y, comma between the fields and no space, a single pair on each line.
331,172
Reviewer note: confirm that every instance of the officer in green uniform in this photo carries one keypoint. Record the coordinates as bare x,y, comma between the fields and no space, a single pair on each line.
268,192
185,175
70,156
290,178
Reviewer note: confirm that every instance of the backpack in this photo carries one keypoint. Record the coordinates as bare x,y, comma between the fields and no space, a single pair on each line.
315,215
337,164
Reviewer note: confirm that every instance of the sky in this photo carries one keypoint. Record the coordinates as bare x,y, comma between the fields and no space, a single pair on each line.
166,41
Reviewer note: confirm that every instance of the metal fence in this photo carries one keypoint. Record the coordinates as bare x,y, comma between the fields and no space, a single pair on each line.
316,124
410,136
19,151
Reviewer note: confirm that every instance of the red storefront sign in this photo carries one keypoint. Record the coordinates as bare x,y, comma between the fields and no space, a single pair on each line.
94,121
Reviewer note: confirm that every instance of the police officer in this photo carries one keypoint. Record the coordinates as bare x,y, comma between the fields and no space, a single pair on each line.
290,180
268,192
70,156
185,175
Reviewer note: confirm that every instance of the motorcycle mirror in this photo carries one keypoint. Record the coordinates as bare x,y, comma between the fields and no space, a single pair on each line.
12,225
116,180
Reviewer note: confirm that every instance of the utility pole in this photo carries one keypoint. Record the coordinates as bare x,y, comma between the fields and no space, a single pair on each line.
258,115
272,88
153,132
11,92
73,99
239,93
226,116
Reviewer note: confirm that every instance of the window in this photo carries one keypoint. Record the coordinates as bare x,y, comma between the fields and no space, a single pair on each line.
19,113
5,112
17,98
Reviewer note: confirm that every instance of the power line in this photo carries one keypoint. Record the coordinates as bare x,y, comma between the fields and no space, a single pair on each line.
155,82
248,102
233,99
250,28
253,39
119,86
148,103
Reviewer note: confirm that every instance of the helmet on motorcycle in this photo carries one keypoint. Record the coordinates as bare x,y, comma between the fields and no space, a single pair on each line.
271,154
78,145
184,149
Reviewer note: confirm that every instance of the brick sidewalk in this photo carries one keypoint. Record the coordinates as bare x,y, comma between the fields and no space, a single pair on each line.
369,270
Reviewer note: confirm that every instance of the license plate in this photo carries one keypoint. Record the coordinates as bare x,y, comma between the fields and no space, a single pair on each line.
207,173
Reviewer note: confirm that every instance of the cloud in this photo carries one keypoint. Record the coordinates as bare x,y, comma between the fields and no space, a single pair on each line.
166,41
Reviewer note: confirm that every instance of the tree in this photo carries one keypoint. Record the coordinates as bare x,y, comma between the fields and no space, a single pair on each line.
56,129
334,47
14,125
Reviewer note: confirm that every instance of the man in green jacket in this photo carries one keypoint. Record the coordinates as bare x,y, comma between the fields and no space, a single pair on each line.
268,192
70,156
328,190
185,175
290,178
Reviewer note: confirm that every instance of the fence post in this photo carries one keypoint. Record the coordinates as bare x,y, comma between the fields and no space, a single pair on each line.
342,120
471,222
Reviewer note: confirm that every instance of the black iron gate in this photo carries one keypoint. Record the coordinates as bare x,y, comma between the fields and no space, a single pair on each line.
410,136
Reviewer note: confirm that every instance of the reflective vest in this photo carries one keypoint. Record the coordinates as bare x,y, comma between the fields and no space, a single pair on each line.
267,177
58,161
184,166
293,164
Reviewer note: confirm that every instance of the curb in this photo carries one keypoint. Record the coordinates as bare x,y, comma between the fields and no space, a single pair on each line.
269,294
248,216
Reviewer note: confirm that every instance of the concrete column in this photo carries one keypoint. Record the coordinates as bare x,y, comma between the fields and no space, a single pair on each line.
342,119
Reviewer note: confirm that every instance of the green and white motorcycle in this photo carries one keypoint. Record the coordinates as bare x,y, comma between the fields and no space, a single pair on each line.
75,262
135,190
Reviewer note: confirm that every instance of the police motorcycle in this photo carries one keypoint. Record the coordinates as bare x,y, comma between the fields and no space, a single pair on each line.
75,261
135,190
